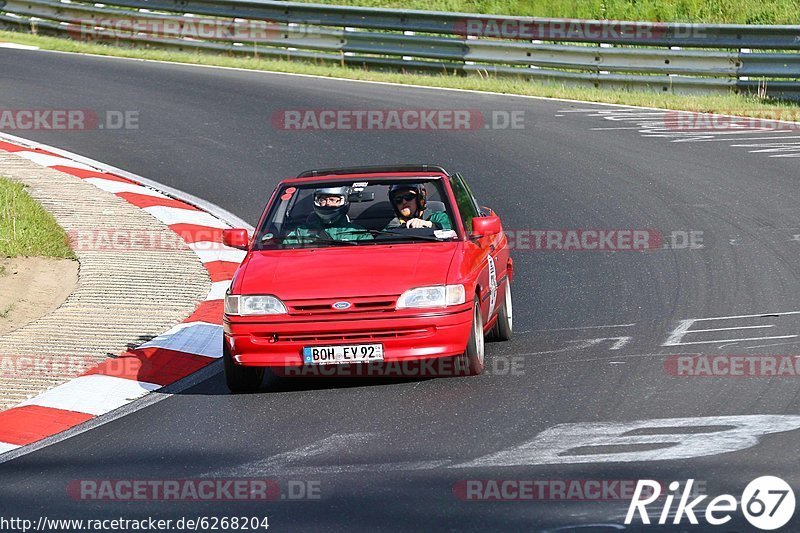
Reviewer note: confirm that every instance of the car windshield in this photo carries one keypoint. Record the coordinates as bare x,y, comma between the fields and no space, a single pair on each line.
358,213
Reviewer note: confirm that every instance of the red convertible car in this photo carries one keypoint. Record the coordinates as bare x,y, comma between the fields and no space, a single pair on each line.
367,266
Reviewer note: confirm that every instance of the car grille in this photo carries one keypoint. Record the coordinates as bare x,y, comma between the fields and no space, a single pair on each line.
357,305
357,336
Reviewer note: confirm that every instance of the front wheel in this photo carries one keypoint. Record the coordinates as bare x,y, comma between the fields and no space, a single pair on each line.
240,378
472,360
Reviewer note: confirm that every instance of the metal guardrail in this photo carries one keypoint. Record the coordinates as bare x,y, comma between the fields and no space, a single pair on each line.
607,54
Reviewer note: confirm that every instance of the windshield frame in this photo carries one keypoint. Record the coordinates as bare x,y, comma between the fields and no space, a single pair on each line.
275,202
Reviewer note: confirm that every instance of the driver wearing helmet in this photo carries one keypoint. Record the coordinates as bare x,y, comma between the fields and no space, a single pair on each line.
329,219
409,202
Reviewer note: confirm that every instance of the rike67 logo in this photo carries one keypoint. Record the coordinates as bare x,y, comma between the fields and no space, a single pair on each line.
767,503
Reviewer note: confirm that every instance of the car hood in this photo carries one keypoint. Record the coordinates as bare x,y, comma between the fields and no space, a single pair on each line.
345,271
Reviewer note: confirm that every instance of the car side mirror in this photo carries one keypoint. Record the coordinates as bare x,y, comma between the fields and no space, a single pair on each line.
485,226
236,238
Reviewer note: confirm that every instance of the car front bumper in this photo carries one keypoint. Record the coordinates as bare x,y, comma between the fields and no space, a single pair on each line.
279,342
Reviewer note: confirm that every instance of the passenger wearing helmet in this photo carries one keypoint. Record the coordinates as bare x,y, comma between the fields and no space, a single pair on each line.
409,202
329,219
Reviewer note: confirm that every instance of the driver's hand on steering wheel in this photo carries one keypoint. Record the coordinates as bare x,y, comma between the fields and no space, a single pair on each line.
419,223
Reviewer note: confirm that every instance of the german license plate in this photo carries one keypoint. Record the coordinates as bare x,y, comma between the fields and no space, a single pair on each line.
337,355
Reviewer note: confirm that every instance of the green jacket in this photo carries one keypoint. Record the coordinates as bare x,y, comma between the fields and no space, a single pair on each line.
439,218
344,230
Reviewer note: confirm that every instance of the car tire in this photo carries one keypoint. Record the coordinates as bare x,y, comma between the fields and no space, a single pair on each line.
472,361
503,329
240,378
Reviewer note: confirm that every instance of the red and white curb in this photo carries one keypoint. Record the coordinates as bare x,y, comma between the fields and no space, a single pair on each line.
172,356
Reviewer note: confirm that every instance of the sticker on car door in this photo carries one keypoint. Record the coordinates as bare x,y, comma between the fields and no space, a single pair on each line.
492,285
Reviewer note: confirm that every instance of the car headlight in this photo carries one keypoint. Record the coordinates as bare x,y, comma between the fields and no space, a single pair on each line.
253,305
435,296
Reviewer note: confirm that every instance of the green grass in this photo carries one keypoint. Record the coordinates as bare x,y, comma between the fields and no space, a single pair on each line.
5,312
708,11
26,229
728,104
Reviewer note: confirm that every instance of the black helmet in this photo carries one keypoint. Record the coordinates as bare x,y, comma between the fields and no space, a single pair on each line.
418,188
332,214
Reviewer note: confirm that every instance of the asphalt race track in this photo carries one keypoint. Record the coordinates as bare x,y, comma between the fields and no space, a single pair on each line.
593,328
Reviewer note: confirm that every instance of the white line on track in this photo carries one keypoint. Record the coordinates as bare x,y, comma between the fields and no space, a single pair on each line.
619,128
211,251
759,145
400,466
198,339
18,46
739,139
733,340
94,394
218,290
733,329
176,215
583,344
118,186
579,328
759,315
281,462
684,328
771,344
47,160
5,447
672,440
